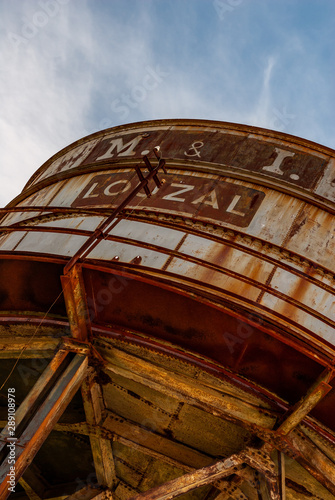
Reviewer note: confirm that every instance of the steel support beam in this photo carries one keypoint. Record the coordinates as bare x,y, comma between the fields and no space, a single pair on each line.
41,347
90,493
101,446
281,475
27,406
186,389
313,396
229,489
193,480
35,426
76,304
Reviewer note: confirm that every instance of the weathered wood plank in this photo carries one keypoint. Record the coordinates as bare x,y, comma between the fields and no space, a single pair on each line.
186,389
101,446
44,420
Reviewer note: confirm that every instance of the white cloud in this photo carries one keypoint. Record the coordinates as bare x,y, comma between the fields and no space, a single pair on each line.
90,66
41,106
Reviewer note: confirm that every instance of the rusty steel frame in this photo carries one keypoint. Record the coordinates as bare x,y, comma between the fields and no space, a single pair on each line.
313,396
232,465
181,387
76,304
285,436
101,446
94,237
35,426
192,480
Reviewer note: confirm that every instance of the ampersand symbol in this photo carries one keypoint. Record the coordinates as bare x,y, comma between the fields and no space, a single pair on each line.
195,147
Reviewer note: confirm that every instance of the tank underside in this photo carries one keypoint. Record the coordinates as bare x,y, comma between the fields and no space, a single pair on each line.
190,351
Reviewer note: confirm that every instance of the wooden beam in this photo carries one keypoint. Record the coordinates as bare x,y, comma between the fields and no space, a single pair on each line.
298,412
101,446
46,415
34,479
313,460
187,389
192,480
26,408
40,347
281,475
90,493
149,442
31,494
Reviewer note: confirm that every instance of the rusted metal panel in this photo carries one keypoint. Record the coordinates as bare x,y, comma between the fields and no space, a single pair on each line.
15,217
304,292
291,313
312,234
142,232
44,196
226,257
326,185
9,241
68,191
49,243
108,250
221,281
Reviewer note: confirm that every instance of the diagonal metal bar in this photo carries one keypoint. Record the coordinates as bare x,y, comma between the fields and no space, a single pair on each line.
40,425
192,480
106,225
35,393
298,412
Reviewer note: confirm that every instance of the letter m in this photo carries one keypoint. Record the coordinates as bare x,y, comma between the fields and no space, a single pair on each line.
121,149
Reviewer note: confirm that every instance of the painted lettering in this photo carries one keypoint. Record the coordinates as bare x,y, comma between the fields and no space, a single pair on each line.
233,204
173,196
107,190
212,201
275,167
121,149
90,194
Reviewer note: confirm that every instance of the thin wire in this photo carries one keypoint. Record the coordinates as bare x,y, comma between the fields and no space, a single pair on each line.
38,326
30,340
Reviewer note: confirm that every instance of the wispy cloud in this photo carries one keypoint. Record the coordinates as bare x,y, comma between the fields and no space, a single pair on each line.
71,67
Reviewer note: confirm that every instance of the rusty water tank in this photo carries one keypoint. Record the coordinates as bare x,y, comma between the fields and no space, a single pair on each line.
228,266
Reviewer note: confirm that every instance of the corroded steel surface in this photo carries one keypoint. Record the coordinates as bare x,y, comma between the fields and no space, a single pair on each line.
227,267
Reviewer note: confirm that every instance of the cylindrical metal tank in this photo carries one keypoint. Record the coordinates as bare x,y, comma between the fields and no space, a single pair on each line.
228,267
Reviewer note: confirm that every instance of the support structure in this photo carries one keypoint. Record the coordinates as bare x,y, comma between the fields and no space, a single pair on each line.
161,337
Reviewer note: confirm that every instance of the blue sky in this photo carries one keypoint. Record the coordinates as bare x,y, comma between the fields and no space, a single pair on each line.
72,67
